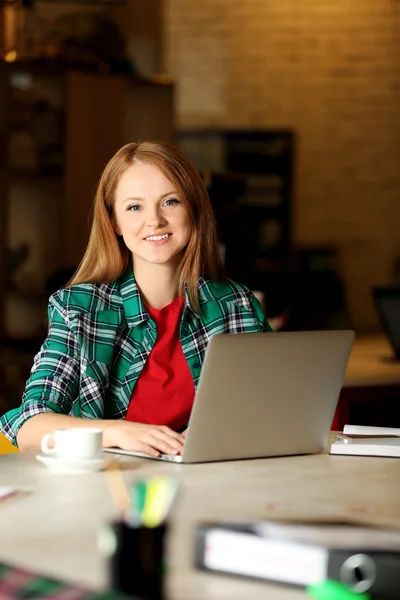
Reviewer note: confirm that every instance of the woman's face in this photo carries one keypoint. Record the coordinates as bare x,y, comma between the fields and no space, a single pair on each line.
150,216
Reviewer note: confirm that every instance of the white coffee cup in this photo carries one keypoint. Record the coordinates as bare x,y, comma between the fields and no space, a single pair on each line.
74,443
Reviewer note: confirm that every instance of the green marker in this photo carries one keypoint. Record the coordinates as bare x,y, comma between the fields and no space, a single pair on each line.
138,498
334,590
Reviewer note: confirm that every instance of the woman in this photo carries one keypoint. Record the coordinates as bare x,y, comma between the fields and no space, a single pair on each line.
127,337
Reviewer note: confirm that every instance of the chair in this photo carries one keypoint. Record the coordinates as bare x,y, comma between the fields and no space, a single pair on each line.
387,304
6,447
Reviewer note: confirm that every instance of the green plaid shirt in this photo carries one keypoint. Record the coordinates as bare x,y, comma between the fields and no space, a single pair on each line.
100,337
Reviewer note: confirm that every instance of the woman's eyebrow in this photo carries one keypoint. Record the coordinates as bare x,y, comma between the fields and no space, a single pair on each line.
144,199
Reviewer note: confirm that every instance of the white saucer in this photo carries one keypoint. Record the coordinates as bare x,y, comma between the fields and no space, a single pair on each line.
77,465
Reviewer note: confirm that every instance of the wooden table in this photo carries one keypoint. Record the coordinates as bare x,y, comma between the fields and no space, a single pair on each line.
371,390
53,528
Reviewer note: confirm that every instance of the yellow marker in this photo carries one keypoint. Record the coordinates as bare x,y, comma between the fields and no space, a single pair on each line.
153,511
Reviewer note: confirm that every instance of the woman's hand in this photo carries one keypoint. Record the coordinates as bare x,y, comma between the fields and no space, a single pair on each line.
138,437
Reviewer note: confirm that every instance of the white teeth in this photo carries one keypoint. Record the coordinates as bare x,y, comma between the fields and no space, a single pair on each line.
155,238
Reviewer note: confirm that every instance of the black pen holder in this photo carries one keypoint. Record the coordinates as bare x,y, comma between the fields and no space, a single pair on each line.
137,562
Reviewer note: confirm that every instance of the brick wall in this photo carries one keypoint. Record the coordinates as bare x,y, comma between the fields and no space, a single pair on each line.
329,70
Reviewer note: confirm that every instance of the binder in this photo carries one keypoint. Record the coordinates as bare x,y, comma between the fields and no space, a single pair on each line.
276,553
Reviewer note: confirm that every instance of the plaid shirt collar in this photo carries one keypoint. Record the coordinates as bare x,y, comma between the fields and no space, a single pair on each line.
135,310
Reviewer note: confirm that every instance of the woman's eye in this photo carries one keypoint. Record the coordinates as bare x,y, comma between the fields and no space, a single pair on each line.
171,201
134,207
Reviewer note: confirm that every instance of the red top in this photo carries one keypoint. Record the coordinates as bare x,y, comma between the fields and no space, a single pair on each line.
164,391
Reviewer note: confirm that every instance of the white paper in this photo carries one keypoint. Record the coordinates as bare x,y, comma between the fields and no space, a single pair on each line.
367,430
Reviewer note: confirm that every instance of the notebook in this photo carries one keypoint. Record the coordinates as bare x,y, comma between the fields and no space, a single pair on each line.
359,440
387,303
264,395
390,449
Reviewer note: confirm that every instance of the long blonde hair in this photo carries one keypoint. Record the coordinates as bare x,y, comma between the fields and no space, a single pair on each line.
107,257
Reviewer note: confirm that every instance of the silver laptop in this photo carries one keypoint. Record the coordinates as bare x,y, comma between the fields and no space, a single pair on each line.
264,394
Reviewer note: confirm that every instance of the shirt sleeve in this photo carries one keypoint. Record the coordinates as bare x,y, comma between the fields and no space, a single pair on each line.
53,383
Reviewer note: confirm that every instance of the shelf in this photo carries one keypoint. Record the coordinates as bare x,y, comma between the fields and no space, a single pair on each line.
31,176
50,67
46,205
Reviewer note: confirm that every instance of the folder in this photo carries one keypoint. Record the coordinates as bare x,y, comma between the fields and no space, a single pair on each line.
297,554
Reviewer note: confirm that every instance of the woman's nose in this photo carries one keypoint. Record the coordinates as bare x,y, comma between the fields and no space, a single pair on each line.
154,218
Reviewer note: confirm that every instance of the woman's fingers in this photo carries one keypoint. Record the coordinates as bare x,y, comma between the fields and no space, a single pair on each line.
171,433
164,443
150,439
146,449
176,441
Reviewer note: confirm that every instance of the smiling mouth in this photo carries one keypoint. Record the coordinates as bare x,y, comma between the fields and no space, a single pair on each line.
157,238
